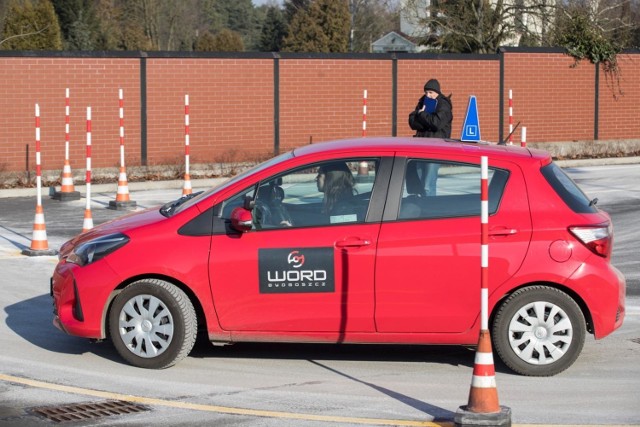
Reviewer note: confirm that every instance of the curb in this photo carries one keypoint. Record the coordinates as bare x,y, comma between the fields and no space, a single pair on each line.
105,188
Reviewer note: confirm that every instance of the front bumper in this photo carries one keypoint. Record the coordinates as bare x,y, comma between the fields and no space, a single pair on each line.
81,296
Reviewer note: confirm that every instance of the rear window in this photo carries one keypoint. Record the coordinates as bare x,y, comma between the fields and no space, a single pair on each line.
567,189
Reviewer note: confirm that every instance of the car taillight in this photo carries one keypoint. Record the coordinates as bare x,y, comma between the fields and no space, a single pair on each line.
597,238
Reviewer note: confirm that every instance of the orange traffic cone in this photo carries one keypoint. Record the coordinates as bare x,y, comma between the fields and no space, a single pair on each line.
39,243
123,201
186,189
87,224
483,407
67,190
483,396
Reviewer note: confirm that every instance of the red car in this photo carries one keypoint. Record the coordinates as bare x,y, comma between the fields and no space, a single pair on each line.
372,240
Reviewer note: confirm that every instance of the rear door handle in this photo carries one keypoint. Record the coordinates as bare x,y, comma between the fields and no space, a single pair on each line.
350,243
502,231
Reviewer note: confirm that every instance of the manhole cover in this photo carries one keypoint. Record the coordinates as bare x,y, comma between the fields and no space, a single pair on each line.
87,411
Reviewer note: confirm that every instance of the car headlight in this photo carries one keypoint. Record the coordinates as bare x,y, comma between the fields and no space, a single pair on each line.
93,250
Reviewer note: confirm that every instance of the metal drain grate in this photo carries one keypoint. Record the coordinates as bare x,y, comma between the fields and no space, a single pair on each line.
87,411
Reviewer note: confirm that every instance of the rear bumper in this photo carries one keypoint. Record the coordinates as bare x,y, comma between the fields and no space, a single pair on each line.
604,292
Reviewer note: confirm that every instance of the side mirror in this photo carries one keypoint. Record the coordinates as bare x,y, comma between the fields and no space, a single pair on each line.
241,219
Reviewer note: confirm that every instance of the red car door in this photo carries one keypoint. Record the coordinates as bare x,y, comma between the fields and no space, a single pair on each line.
305,277
428,266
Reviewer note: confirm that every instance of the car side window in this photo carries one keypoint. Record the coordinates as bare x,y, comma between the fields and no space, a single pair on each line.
437,189
323,193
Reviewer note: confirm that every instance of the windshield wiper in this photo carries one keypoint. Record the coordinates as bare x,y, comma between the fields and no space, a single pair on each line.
168,208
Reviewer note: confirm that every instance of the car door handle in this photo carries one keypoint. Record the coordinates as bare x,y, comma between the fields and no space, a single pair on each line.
349,243
502,231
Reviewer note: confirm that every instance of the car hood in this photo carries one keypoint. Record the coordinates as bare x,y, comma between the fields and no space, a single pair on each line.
121,224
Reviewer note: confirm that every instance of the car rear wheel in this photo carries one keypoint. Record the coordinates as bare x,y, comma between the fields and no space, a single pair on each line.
152,324
539,331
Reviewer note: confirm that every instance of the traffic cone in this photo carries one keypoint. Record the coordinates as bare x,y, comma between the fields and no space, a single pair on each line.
363,171
123,201
186,189
67,190
483,407
87,224
39,243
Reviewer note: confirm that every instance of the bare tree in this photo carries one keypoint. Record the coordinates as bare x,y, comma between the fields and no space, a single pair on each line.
480,26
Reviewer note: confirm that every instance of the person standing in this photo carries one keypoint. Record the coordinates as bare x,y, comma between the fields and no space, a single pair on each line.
432,118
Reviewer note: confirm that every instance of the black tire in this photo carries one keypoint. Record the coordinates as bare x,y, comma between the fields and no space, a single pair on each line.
538,331
156,338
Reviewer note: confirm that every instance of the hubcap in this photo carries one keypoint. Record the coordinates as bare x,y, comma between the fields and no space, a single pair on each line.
146,326
540,333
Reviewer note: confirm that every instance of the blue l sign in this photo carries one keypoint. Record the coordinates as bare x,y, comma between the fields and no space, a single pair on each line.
471,126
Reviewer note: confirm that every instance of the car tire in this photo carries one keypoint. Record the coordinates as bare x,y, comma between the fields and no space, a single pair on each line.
152,324
538,331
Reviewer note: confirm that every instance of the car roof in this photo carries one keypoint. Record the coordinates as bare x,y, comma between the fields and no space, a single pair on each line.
432,145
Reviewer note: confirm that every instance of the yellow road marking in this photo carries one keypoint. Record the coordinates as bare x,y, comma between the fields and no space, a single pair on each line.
215,408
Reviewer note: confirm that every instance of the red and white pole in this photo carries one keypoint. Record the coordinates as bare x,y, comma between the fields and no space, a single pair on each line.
39,239
484,242
364,114
39,244
186,189
67,190
510,117
523,138
363,167
38,166
67,178
88,220
483,407
123,187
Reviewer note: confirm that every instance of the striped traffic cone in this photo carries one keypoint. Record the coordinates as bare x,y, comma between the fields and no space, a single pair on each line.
123,200
39,243
483,396
87,224
67,189
186,189
483,407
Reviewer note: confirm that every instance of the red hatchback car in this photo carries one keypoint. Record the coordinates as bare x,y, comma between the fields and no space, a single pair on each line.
372,240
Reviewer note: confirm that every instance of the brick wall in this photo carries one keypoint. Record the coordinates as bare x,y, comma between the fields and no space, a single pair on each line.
320,98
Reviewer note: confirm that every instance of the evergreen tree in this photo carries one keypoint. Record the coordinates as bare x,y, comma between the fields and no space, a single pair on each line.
79,24
31,26
274,31
323,28
335,20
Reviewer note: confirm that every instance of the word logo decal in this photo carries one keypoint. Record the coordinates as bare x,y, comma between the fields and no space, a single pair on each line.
296,259
306,270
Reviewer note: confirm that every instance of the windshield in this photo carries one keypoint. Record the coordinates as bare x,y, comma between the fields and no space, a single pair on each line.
197,197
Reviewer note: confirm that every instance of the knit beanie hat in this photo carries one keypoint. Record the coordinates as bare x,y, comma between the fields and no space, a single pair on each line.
433,85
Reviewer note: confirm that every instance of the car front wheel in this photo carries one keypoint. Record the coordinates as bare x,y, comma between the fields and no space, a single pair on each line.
538,331
152,324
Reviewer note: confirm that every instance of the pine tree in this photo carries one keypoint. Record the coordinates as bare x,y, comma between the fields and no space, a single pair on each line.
273,32
324,27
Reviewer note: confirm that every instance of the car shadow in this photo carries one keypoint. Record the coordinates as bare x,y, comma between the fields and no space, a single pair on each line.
31,319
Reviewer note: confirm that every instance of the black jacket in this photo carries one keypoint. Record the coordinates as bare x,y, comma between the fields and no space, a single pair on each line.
432,125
